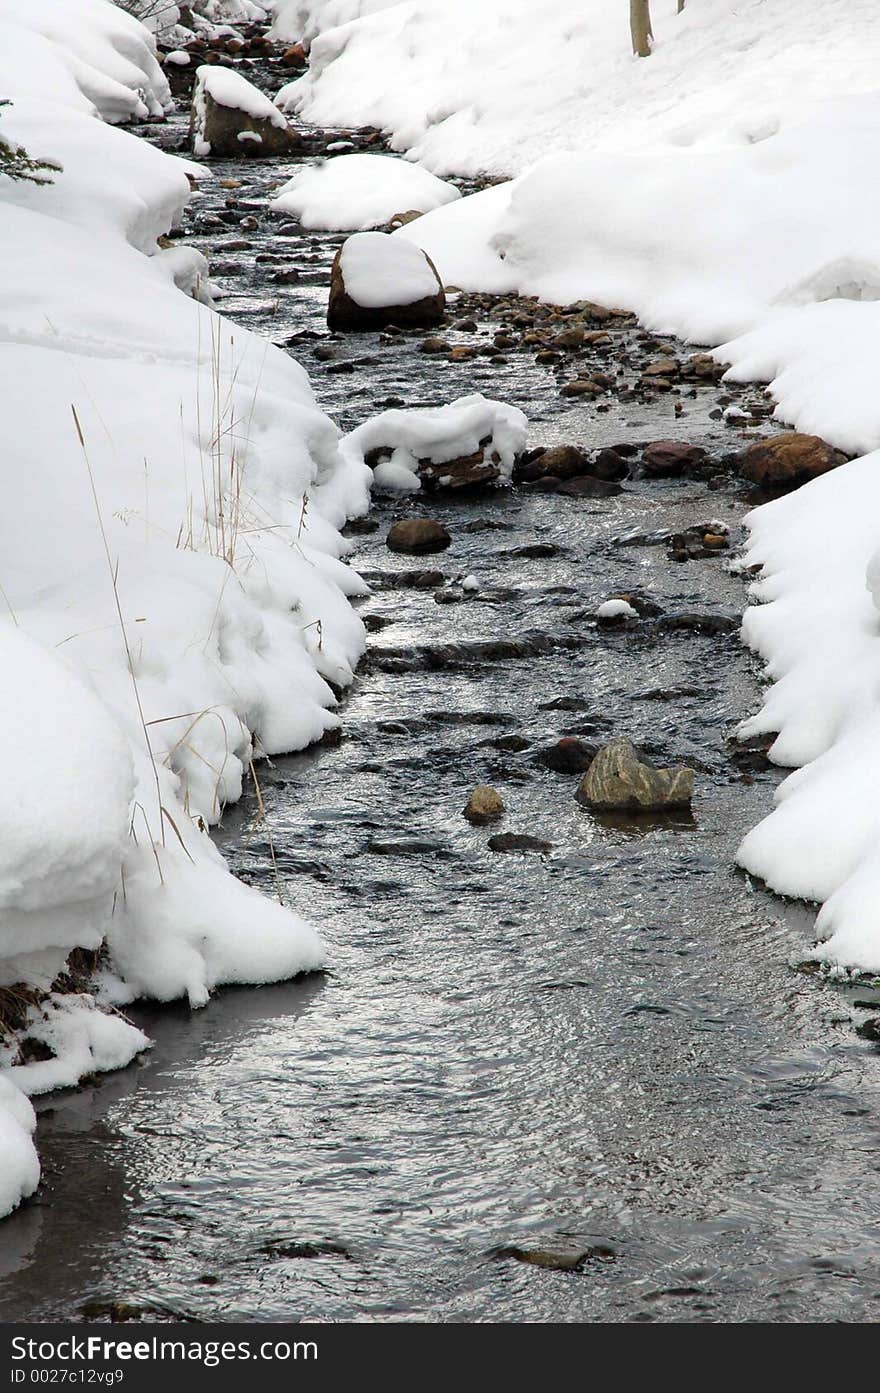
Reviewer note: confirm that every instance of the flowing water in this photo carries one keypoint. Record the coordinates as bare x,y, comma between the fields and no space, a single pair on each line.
600,1053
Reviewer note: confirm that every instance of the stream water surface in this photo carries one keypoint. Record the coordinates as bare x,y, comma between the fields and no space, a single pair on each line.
600,1053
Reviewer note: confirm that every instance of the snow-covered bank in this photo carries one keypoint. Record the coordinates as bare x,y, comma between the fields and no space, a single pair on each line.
495,86
817,626
173,594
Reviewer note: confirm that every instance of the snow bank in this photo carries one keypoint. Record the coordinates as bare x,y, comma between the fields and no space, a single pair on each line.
297,20
19,1164
355,192
495,86
173,595
109,56
817,627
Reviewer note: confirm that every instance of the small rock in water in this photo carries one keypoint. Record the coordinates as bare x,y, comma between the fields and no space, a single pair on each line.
518,841
870,1030
418,535
618,781
484,805
568,756
588,487
560,462
557,1259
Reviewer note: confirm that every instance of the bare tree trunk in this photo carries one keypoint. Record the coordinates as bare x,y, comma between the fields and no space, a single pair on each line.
640,26
680,6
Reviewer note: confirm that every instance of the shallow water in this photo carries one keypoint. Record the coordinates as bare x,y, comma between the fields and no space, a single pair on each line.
603,1049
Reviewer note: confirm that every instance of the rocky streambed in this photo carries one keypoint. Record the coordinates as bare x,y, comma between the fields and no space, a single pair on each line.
562,1067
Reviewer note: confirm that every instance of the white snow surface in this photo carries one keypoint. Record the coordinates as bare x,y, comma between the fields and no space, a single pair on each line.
377,270
83,53
355,192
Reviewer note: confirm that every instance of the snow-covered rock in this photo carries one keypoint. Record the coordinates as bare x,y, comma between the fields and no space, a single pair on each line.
230,117
377,280
407,441
355,192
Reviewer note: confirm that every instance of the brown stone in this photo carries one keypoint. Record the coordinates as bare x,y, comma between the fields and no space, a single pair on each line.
788,460
401,219
560,461
466,472
418,535
294,57
671,457
586,486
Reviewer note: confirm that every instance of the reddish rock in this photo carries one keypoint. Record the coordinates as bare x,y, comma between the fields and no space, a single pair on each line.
788,460
560,462
418,535
671,457
294,57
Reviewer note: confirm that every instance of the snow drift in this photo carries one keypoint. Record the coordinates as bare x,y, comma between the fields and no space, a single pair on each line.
352,193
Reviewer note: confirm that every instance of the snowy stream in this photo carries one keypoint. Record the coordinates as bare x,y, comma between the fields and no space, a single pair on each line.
603,1051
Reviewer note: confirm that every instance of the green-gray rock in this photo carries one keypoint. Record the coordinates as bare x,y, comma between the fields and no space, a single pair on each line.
618,781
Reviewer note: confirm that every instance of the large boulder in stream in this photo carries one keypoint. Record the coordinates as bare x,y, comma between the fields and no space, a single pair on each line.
788,460
229,118
618,781
378,279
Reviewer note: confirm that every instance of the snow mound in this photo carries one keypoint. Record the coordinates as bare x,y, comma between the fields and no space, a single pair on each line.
110,57
355,192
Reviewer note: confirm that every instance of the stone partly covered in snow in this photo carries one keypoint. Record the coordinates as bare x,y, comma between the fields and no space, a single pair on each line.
788,460
618,781
471,442
377,279
484,805
230,117
615,611
354,192
418,535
